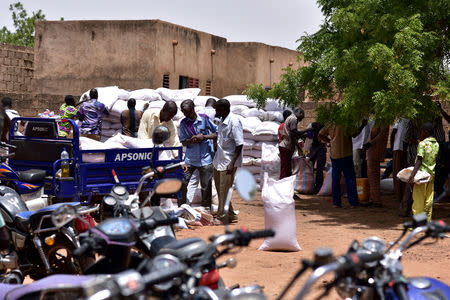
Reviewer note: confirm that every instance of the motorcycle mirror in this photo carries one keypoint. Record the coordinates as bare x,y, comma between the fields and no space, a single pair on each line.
160,135
168,186
245,184
63,215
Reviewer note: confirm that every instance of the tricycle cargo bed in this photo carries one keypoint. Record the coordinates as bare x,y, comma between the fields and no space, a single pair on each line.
91,171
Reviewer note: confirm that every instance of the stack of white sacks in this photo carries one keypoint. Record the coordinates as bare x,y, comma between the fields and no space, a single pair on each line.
260,125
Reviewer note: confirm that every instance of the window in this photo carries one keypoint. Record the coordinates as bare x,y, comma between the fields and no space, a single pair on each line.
208,88
187,82
166,81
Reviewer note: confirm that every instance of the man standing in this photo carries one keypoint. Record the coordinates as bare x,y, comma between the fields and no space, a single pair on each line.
341,162
289,138
359,156
154,118
91,114
376,151
317,154
196,134
210,109
398,155
230,141
7,106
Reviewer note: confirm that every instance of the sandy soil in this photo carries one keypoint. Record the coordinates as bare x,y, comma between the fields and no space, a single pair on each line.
319,224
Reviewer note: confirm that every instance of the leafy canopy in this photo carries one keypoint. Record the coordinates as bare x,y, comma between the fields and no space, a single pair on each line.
382,59
23,24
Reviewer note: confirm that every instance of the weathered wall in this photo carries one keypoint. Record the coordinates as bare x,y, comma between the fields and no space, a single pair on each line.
256,63
74,56
16,68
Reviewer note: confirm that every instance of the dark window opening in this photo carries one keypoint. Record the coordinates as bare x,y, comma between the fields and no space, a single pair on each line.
208,88
187,82
166,81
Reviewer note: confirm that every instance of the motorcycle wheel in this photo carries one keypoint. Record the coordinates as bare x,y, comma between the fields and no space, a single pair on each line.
61,259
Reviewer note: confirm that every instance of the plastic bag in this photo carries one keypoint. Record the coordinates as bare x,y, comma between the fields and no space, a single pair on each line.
421,176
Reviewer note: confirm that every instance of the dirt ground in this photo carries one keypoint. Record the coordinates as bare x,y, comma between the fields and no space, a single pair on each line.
319,224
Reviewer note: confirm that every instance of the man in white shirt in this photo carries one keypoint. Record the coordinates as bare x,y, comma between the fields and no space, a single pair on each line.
228,157
398,155
359,159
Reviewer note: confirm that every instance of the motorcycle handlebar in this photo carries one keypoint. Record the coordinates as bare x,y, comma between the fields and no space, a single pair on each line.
242,237
161,276
342,263
3,144
85,247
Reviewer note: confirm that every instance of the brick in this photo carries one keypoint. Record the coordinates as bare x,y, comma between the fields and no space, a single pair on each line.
2,85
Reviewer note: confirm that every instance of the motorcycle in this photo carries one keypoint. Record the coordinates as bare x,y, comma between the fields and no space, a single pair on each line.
367,271
38,248
201,257
27,183
123,242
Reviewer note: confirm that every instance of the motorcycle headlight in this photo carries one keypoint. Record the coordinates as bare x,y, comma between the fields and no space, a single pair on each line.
162,263
119,190
374,245
252,292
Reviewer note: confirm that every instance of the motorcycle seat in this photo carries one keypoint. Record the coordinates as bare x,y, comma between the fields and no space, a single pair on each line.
22,220
32,175
185,248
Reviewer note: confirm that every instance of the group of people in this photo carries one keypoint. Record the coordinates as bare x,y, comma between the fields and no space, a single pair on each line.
358,154
214,142
213,139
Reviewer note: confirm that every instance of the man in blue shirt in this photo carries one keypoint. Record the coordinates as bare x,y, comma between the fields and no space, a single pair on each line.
196,134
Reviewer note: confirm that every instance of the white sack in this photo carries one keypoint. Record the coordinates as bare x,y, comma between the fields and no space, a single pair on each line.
178,95
276,116
106,124
257,162
267,128
248,144
201,100
252,112
421,176
157,104
247,161
272,139
258,145
248,135
90,144
279,214
240,100
146,94
238,109
123,94
107,95
255,153
273,105
270,161
250,124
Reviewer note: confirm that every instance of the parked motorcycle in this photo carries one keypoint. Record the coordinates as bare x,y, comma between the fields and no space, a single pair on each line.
38,248
368,271
115,238
29,182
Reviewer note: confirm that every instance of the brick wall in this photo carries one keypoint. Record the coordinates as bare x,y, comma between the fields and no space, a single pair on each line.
29,104
16,68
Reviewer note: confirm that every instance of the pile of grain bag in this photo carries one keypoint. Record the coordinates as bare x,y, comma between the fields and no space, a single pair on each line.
115,100
260,125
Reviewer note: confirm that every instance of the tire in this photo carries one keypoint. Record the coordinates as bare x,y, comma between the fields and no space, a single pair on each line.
61,259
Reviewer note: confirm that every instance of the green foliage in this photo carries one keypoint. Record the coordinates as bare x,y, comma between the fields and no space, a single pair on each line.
376,58
23,24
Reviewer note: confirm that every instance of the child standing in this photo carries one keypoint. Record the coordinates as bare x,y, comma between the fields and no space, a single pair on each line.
427,152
